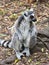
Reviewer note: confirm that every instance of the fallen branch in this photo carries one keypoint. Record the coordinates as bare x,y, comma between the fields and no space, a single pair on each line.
43,42
43,32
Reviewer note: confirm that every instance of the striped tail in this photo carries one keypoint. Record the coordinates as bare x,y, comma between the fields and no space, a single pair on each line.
5,43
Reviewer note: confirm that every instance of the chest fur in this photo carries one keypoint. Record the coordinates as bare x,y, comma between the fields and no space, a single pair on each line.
24,28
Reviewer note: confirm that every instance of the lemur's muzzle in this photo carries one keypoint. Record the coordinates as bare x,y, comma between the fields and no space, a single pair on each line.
33,18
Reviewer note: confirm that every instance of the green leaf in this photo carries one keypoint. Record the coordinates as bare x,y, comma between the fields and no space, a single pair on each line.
37,62
13,16
29,60
16,61
1,12
3,35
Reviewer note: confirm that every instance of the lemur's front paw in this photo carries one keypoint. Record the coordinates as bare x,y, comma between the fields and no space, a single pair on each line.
26,52
19,55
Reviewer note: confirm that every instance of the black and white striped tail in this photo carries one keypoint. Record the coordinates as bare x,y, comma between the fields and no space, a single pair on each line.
5,43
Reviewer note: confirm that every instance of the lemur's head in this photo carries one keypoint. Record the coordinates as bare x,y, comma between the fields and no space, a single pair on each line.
27,16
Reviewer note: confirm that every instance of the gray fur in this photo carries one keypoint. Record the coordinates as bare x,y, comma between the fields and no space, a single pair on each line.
24,34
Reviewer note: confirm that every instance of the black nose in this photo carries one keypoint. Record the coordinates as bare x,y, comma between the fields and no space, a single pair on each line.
33,18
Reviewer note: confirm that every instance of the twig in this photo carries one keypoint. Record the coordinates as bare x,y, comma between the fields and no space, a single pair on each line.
45,33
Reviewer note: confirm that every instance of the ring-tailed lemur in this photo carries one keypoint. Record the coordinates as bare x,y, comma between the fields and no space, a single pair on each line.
23,34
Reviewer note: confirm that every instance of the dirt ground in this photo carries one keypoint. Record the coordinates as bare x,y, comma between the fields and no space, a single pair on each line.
9,12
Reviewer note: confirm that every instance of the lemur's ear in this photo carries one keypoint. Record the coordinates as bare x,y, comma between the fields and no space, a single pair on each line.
31,9
20,19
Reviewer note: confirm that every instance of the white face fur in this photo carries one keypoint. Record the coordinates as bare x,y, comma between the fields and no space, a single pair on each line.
29,15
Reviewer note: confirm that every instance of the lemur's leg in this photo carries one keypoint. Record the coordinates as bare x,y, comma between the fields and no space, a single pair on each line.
33,42
17,46
26,45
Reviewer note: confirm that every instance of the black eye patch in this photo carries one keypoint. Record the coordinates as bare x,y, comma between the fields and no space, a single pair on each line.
25,14
21,18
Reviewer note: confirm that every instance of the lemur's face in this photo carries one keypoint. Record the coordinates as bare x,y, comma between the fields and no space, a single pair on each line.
29,16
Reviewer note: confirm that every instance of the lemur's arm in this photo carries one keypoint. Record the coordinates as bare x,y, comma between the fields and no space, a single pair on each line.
33,39
34,30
